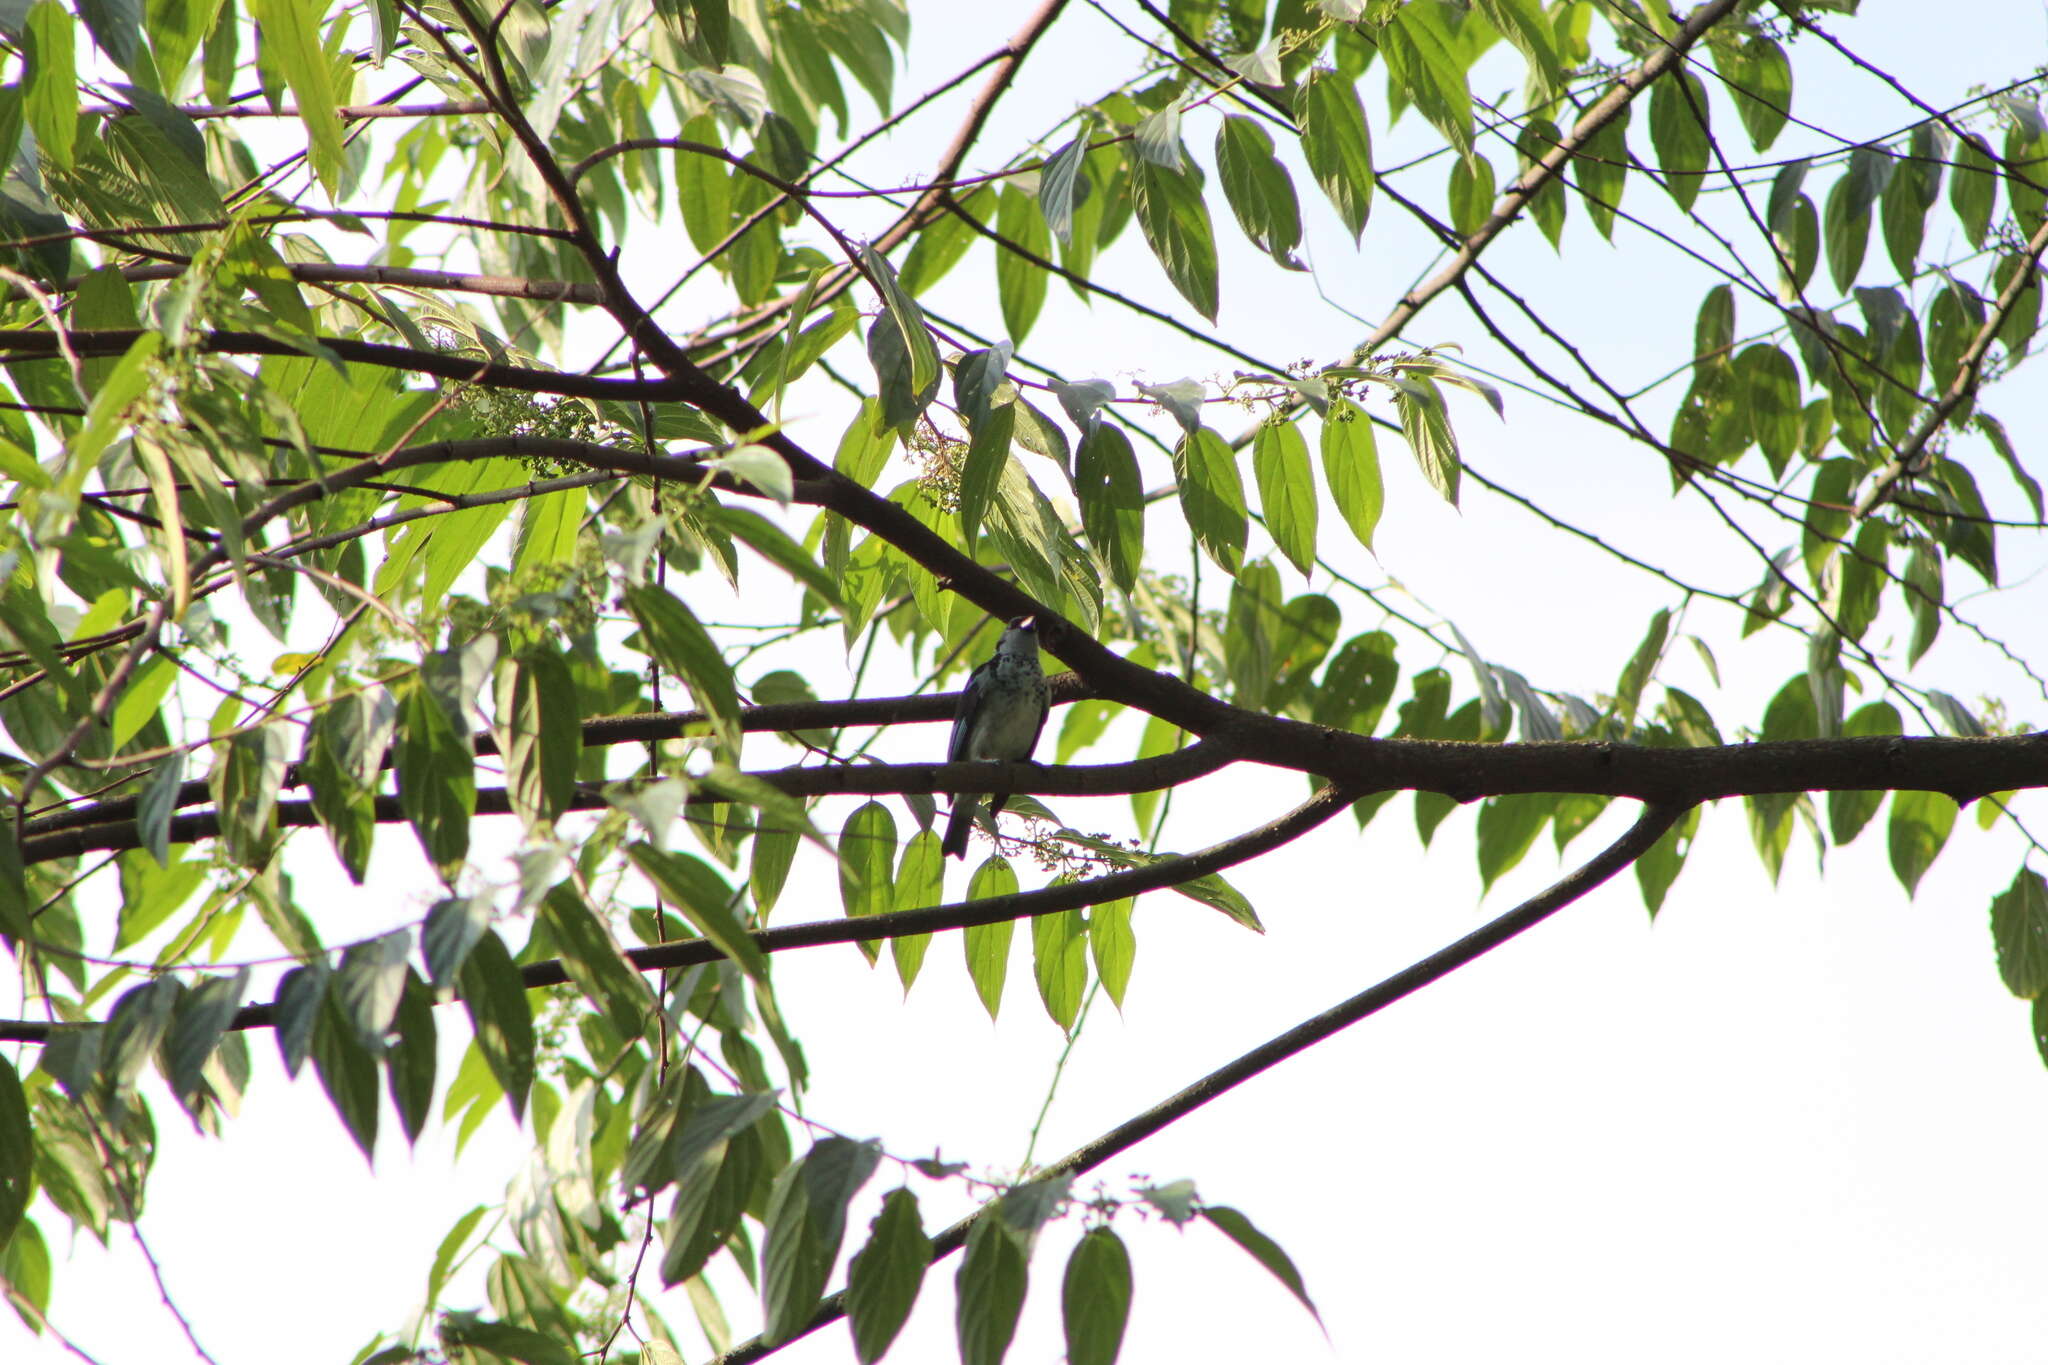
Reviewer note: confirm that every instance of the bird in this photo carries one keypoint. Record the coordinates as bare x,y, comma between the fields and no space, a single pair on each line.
1001,712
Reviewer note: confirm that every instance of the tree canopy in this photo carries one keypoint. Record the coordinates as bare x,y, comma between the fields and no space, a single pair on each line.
551,466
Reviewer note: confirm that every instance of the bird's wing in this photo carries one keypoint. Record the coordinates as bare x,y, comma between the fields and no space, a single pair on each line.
963,716
1044,710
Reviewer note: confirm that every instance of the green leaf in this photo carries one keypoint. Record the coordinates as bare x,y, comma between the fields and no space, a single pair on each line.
436,778
344,760
865,447
1112,497
1850,811
301,1001
1759,77
1351,467
675,639
779,812
246,780
1263,1249
369,983
916,338
1713,332
1524,24
1287,491
462,1334
1508,825
1828,511
1973,187
412,1058
594,961
1020,282
1113,946
1657,869
1428,429
902,402
348,1072
495,996
155,807
693,887
2019,929
1915,187
1338,147
1175,223
1212,496
50,80
1923,589
1797,240
25,1269
452,928
920,882
1678,132
17,1152
1471,194
1770,387
768,868
989,1290
703,186
291,41
1421,63
1601,170
1358,684
2026,158
1258,188
884,1276
1538,138
988,452
1057,180
1059,963
867,856
979,377
988,945
806,1221
1218,894
1920,825
1846,223
1095,1298
537,725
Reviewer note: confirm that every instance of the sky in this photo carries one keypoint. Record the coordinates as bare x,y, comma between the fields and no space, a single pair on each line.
1789,1122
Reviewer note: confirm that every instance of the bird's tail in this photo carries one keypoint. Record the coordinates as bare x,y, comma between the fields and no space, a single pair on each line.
957,827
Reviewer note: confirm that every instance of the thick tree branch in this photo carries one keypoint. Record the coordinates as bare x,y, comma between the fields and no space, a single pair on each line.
603,731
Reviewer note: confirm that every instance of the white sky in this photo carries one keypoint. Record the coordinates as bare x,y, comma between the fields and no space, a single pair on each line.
1790,1124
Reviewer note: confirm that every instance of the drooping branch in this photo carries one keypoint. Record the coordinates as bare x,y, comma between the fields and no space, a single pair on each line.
1969,373
849,779
1155,876
1633,844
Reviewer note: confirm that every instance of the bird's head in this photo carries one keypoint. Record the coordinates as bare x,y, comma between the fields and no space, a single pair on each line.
1020,635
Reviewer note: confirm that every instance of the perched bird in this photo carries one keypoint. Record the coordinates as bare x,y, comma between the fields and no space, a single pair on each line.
1001,711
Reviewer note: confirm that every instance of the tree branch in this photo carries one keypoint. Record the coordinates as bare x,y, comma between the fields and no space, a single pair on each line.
1633,844
1166,872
